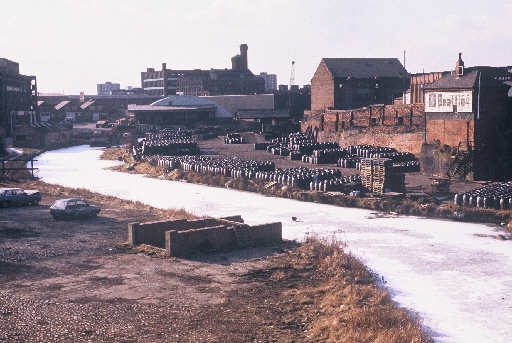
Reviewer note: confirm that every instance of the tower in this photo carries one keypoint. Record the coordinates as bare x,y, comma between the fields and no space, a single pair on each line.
243,54
292,75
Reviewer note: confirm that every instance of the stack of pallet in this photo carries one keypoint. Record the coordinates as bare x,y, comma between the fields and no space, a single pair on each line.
377,176
367,173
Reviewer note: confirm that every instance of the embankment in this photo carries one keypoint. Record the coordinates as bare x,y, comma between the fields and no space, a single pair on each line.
424,206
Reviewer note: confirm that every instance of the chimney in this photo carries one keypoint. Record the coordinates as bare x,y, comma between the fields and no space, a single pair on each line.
164,66
459,66
243,54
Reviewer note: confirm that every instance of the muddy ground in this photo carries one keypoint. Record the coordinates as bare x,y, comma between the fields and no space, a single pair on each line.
76,281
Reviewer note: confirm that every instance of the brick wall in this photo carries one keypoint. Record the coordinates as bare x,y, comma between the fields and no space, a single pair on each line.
399,126
322,89
183,237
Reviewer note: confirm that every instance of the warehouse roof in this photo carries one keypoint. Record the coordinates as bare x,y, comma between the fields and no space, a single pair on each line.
365,67
451,81
151,108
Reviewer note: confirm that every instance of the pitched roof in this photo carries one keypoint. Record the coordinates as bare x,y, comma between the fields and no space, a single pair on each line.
87,104
365,67
61,104
451,81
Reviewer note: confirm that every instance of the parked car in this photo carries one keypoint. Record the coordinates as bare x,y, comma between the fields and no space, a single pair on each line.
73,208
18,197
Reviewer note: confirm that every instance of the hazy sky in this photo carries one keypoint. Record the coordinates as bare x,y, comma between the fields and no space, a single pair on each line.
72,45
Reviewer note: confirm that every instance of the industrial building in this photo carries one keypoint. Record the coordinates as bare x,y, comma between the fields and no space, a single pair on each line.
348,83
467,111
191,110
18,98
107,88
237,80
270,81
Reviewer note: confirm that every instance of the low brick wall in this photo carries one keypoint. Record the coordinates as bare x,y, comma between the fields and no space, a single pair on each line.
186,237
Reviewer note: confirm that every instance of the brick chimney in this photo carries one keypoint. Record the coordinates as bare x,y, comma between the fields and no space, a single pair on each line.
459,66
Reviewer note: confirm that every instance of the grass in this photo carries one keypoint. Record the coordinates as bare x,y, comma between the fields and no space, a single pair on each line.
342,302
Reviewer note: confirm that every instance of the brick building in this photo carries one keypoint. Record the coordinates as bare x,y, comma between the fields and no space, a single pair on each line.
470,109
18,97
348,83
467,109
237,80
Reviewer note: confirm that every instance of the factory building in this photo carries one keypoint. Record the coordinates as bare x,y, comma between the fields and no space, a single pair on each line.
197,82
18,98
348,83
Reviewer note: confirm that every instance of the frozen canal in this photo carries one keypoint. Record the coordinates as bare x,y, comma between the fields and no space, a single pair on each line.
457,278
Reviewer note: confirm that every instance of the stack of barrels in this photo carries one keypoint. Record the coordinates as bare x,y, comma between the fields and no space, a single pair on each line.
496,196
166,142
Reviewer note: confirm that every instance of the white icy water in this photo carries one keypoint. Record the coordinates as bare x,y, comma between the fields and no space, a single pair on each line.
458,282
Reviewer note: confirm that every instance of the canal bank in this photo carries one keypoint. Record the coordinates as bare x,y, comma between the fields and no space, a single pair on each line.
455,275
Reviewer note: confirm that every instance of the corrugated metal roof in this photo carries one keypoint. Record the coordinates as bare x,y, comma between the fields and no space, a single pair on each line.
364,68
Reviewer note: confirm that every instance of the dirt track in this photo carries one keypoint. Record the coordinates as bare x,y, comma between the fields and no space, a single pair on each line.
76,281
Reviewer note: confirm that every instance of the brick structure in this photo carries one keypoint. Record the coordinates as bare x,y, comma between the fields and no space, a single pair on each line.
187,237
470,109
397,126
237,80
348,83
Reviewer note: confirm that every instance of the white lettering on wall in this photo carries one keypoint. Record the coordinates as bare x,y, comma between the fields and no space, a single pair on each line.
461,101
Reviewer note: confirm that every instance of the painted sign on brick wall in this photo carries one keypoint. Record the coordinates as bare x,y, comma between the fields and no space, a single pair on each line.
449,101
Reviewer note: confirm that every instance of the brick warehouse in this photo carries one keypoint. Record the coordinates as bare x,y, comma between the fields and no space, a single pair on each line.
348,83
237,80
469,109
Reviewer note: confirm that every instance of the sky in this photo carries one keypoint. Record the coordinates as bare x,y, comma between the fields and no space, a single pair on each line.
72,45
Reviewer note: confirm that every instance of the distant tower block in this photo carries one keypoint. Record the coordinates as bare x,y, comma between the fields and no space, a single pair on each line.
243,55
292,74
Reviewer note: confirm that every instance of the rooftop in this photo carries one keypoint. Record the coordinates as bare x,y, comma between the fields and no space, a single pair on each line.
451,81
365,67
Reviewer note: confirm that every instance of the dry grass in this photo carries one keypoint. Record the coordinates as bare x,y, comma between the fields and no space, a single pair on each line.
343,302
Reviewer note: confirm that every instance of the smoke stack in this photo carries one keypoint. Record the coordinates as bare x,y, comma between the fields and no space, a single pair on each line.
164,66
243,54
459,66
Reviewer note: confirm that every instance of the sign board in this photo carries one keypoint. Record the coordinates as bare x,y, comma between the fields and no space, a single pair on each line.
459,102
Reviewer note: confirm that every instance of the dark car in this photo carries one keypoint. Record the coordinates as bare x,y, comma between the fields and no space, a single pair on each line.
73,208
18,197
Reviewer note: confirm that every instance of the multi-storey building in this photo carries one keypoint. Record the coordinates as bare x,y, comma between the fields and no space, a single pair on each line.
270,81
18,97
237,80
108,88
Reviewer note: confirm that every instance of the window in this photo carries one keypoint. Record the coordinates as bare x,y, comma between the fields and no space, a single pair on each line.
400,121
373,121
